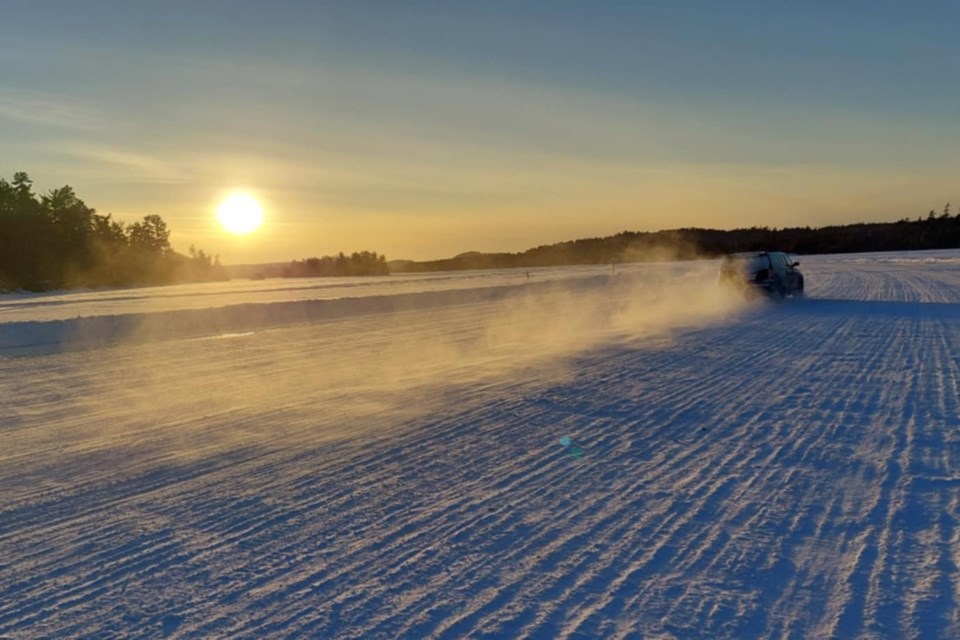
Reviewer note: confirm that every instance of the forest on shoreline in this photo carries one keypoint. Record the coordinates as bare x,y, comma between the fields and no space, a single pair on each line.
935,231
55,241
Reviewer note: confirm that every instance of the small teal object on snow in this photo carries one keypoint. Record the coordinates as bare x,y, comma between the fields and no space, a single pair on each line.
575,450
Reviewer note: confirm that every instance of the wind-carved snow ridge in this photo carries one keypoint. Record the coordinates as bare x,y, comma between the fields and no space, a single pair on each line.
769,471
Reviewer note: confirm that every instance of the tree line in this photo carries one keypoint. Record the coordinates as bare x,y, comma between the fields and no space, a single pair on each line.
54,241
935,231
359,263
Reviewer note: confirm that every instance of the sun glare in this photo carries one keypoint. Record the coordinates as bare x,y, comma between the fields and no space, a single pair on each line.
240,213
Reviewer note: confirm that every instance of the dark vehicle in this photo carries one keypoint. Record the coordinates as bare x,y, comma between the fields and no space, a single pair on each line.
772,273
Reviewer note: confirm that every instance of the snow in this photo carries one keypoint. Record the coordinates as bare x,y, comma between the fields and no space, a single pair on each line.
384,458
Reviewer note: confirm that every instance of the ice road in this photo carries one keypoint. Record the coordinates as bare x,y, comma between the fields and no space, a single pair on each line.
569,453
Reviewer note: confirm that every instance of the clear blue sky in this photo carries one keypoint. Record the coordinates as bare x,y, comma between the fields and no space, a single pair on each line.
423,129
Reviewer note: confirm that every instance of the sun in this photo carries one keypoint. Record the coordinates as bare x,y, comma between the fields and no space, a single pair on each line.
240,213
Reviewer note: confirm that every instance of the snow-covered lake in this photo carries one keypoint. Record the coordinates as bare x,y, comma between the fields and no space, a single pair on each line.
559,453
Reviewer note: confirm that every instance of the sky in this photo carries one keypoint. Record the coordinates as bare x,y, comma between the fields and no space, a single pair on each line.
423,129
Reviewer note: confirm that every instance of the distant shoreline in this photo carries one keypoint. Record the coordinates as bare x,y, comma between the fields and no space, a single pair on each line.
932,232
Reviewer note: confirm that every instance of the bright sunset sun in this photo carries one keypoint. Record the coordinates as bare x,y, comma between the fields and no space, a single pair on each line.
240,213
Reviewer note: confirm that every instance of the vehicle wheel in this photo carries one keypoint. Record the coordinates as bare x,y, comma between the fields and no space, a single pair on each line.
778,292
799,292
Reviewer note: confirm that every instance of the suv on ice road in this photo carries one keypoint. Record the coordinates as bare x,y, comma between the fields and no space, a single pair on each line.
773,273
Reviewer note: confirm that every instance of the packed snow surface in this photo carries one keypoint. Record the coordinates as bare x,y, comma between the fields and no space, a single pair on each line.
620,452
